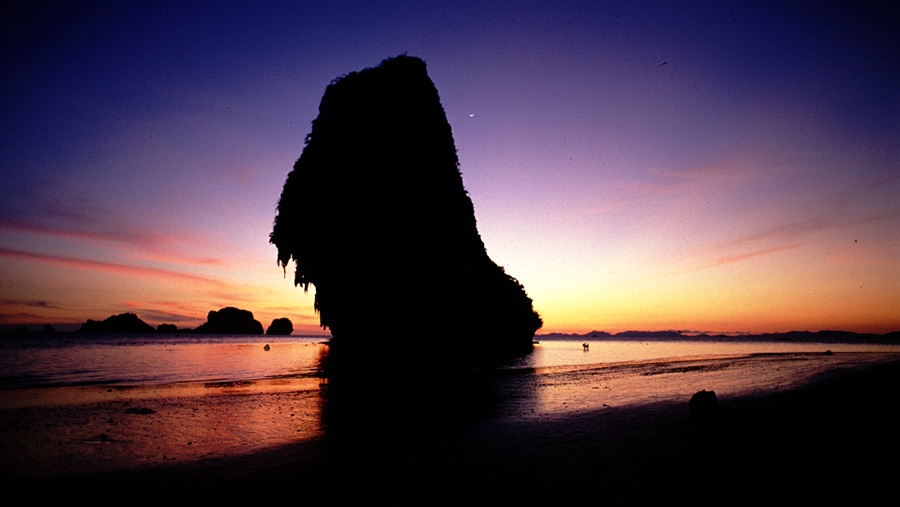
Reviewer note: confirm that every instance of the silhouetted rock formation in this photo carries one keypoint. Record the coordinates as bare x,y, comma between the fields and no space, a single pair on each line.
376,217
48,329
230,320
167,328
122,323
282,326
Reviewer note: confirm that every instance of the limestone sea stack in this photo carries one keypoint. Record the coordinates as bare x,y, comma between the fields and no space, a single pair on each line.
376,218
230,320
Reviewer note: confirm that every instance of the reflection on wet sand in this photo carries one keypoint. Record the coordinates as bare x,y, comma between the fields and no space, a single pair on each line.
561,391
96,428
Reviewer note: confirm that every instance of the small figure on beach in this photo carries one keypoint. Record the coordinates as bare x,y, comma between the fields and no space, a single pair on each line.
266,348
586,346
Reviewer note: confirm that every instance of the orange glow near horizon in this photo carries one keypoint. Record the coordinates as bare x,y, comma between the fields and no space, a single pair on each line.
743,293
748,185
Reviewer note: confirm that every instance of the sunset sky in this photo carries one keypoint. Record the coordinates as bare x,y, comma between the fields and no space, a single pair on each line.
701,166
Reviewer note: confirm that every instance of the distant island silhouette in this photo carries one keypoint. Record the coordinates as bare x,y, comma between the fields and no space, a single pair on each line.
825,336
375,216
122,323
131,323
228,320
282,326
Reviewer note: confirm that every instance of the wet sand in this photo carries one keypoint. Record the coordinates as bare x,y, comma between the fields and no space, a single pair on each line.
499,439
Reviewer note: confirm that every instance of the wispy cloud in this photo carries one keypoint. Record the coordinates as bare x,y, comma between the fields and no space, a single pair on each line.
31,302
27,311
798,228
73,231
147,312
108,267
732,259
649,184
19,318
55,213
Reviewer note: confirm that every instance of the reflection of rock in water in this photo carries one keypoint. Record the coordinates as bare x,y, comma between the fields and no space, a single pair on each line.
376,217
404,402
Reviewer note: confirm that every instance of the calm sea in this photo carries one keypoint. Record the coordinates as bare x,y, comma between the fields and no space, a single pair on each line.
70,359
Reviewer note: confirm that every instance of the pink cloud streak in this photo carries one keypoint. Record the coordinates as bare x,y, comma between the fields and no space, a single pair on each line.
148,242
731,259
106,267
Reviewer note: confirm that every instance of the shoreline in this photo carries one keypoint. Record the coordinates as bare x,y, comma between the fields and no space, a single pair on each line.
823,438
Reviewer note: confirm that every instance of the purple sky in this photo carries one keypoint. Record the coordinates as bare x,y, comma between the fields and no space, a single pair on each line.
709,166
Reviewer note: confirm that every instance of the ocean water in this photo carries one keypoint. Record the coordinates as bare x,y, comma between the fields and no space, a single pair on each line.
55,360
70,359
109,402
556,352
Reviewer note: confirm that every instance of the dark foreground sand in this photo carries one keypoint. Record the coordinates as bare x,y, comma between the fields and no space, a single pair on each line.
834,438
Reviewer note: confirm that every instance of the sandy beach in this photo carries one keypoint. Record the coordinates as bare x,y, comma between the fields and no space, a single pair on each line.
501,438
